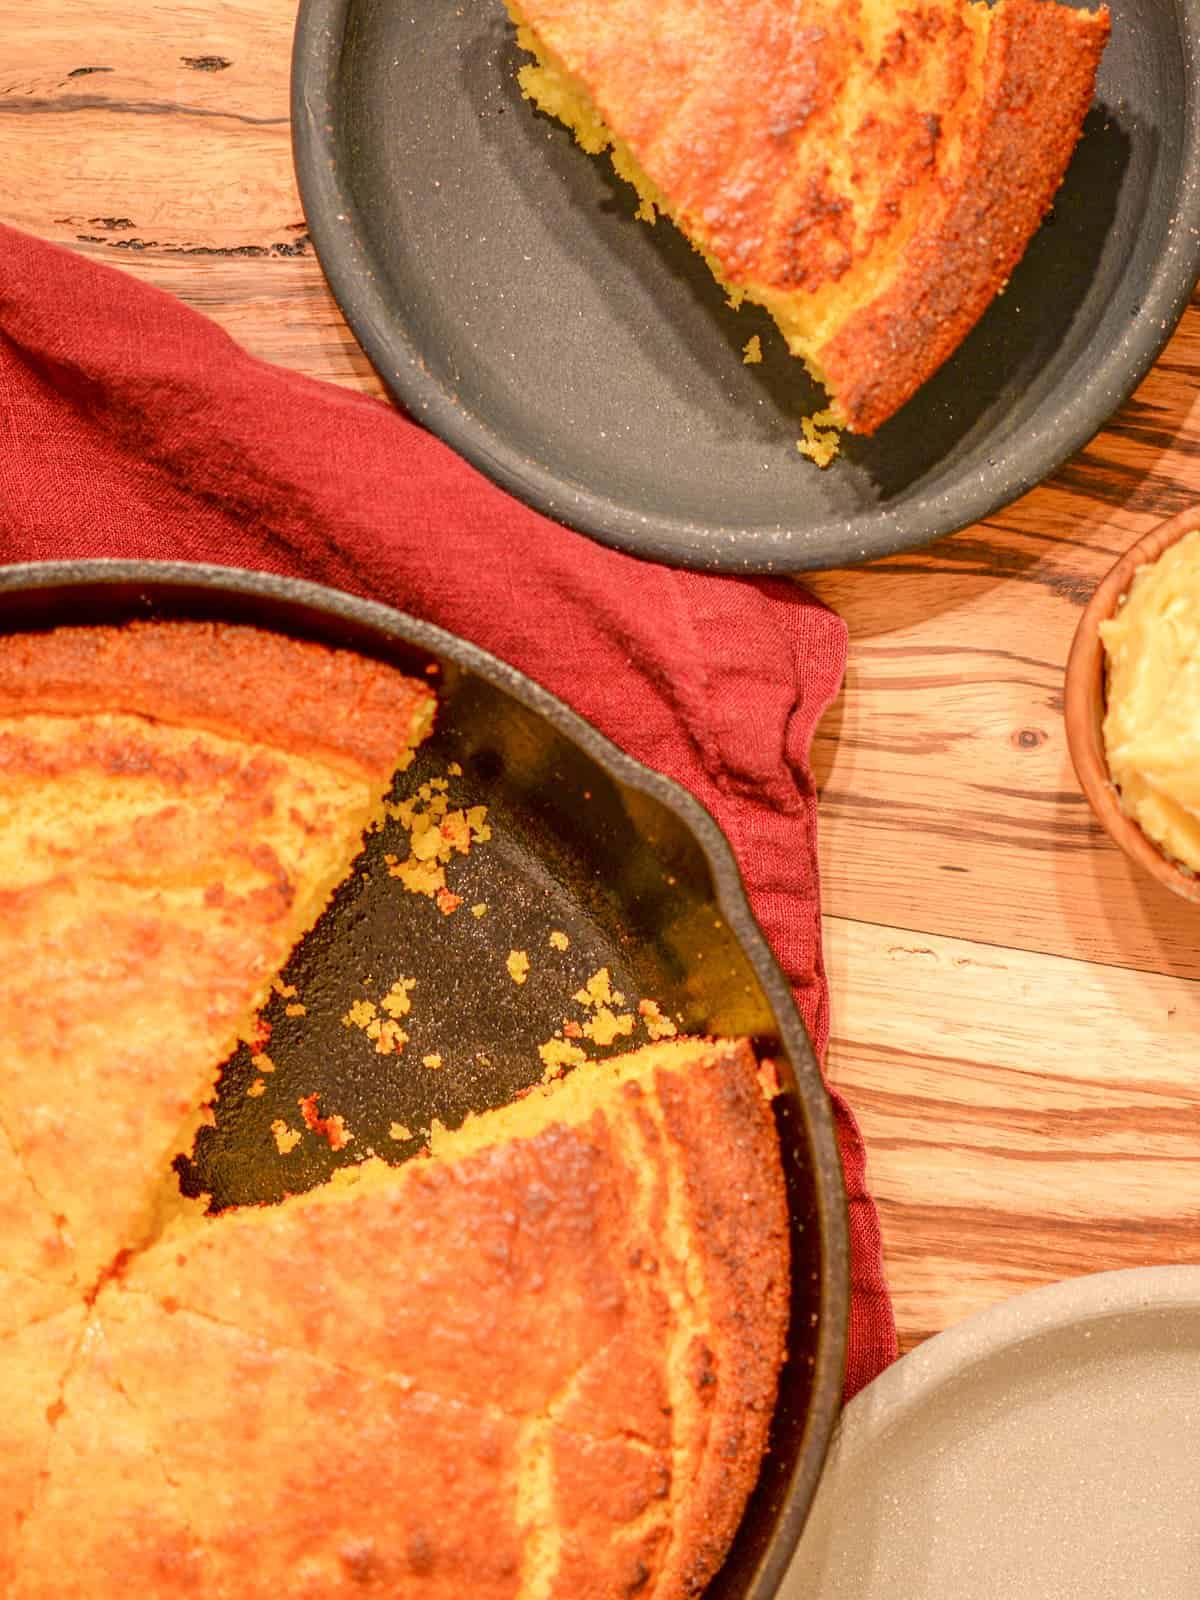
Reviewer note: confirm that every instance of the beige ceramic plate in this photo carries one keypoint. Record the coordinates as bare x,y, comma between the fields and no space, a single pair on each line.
1047,1449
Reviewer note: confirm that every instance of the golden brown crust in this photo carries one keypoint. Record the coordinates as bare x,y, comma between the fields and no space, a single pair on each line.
1039,76
291,1476
35,1260
35,1362
870,173
483,1238
240,682
617,1285
737,1209
106,1520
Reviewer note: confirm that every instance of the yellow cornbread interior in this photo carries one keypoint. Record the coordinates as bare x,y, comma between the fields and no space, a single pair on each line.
664,1309
1152,721
170,842
567,1101
559,94
571,1102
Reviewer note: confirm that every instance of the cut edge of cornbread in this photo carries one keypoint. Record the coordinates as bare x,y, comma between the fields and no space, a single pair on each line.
165,1200
879,337
567,1102
548,84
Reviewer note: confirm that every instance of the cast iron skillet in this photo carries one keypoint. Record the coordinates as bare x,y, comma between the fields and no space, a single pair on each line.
589,364
585,841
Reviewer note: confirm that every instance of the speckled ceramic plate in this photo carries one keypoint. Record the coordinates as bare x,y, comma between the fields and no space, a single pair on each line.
590,365
1043,1450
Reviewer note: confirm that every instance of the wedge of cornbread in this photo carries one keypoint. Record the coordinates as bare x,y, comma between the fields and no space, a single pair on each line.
869,171
540,1362
177,803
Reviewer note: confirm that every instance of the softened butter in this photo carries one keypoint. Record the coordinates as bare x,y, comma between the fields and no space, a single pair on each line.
1152,723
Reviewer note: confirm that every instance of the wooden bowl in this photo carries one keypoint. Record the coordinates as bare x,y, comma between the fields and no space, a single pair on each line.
1085,704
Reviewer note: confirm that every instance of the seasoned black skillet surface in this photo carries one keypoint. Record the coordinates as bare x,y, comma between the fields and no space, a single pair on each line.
582,842
564,857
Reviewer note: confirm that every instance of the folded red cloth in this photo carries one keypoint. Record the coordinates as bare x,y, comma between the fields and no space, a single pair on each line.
130,426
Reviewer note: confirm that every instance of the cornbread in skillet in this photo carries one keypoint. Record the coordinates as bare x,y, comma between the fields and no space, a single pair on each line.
177,803
106,1518
869,172
294,1476
538,1363
582,1298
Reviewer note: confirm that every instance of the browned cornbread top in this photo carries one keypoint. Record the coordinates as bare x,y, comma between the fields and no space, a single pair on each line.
35,1276
870,171
165,838
33,1361
1038,78
289,694
195,1459
606,1296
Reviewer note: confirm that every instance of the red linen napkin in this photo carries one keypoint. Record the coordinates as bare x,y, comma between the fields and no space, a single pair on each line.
132,427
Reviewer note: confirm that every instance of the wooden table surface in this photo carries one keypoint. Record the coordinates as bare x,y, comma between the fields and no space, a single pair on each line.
1016,1013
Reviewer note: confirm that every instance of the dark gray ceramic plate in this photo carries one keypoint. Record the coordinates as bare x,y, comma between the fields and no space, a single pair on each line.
585,840
589,364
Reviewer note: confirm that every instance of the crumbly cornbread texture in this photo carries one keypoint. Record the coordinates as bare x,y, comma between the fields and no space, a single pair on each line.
177,803
869,171
587,1288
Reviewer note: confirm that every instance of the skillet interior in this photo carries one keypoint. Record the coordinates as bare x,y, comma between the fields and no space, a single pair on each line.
584,841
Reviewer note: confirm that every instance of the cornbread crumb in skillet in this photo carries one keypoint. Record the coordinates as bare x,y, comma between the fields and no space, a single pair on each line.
177,803
602,1267
869,173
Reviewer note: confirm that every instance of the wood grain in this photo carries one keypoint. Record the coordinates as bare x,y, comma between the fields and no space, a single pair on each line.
156,137
1028,1117
1016,1014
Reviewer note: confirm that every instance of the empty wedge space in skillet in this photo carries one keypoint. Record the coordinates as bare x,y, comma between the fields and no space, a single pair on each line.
869,173
177,803
601,1268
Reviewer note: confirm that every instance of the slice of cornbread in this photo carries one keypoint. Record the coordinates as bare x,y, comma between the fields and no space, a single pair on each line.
604,1263
177,803
869,171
